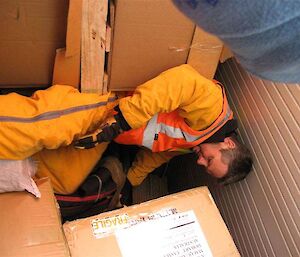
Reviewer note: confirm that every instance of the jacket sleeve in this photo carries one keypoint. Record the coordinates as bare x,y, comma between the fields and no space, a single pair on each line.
198,99
145,162
67,167
49,119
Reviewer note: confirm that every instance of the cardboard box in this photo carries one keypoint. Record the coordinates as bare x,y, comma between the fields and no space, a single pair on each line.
148,37
30,33
140,230
30,226
67,60
205,53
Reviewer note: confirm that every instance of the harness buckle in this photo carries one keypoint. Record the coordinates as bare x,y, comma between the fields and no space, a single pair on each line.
87,142
91,140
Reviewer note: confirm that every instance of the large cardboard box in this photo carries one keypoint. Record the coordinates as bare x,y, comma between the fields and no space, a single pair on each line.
41,42
148,38
31,226
183,224
30,33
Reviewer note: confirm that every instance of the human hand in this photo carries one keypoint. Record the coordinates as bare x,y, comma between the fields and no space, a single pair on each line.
106,133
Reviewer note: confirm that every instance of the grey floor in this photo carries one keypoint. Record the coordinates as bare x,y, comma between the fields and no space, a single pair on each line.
153,187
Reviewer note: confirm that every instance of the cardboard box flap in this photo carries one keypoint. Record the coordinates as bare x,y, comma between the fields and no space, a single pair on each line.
30,32
31,226
73,37
146,38
205,53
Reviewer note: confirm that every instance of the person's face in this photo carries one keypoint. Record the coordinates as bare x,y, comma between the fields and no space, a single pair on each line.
210,156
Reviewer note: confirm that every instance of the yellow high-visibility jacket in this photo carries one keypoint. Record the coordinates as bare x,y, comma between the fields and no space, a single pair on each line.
55,117
198,100
45,125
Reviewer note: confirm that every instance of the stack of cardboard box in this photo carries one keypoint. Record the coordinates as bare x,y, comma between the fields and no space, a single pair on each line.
31,226
148,37
140,39
182,224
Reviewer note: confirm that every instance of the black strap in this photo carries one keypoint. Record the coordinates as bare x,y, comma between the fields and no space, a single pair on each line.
121,120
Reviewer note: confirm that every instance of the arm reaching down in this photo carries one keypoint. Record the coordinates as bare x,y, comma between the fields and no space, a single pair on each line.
198,99
145,162
49,119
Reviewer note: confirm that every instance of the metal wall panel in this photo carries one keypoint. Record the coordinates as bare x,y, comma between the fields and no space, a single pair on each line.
262,212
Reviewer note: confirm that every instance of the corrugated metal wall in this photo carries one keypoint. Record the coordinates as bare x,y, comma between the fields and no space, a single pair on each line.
262,212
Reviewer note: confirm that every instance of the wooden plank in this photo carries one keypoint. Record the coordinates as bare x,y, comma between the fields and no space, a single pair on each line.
112,11
205,53
108,39
94,16
107,50
105,83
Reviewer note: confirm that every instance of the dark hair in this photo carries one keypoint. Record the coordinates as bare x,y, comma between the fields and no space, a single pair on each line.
239,162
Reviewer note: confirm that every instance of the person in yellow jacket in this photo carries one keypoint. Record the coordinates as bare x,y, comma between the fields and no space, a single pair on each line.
46,126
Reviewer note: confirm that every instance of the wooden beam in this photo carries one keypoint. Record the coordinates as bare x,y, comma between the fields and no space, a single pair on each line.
93,41
112,10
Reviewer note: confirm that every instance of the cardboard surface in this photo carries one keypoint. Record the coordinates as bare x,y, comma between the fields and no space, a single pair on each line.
205,53
30,33
66,69
30,226
149,37
82,234
67,60
226,54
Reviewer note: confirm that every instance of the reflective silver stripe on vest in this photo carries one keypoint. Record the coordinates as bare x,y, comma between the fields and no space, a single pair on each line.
149,132
153,128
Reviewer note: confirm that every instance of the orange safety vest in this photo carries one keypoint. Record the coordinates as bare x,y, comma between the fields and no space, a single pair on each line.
169,131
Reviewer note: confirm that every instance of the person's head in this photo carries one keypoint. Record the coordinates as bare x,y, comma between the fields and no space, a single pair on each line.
229,161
